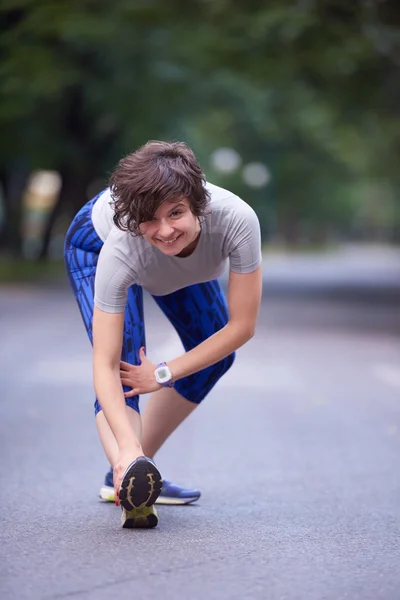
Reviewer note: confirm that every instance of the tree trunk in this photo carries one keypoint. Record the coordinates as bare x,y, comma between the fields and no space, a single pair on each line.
14,181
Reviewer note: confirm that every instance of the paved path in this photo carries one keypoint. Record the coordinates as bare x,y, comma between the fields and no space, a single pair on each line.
296,452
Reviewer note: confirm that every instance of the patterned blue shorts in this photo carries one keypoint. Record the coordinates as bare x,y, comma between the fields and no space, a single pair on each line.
196,312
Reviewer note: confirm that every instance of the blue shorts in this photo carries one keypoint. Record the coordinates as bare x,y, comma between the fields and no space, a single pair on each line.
196,312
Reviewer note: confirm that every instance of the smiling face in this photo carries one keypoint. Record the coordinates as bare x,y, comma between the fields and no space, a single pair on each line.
173,229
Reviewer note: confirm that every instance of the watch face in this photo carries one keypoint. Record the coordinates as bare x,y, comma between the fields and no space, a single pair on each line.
163,373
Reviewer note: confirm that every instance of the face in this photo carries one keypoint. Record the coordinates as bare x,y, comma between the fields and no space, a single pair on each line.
173,227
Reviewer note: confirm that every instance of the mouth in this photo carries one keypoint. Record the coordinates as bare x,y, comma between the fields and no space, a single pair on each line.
169,242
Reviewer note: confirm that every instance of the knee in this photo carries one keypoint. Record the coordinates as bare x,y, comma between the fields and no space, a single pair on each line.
217,371
220,368
196,387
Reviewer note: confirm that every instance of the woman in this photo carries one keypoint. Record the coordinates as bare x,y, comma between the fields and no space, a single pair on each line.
159,227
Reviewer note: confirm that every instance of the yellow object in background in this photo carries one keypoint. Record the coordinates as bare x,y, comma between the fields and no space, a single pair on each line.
40,197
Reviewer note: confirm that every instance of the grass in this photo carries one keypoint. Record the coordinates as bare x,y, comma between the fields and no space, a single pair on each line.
16,270
19,270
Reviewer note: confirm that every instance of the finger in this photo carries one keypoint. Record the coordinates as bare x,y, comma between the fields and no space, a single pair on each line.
132,393
126,381
124,365
127,373
116,489
142,354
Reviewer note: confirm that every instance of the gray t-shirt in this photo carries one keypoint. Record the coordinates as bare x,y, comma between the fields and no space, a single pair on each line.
230,232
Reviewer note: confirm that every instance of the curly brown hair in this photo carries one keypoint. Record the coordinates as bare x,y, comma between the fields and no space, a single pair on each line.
156,172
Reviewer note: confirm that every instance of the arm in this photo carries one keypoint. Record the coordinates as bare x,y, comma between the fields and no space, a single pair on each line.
243,245
244,298
107,344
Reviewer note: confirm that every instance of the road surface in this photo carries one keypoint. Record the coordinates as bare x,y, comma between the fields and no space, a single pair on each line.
296,452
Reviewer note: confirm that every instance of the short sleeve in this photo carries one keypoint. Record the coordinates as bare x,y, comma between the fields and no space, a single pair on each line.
244,239
113,278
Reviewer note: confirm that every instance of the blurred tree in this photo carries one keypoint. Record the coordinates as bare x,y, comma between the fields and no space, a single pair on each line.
308,86
83,83
313,85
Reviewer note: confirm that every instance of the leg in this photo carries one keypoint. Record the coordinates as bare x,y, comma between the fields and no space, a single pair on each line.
82,249
196,312
134,338
107,438
165,410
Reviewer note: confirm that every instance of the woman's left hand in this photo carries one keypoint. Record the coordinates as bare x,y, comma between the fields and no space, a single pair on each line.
140,378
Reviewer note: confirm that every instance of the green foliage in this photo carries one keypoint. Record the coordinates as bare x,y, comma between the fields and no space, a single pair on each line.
310,87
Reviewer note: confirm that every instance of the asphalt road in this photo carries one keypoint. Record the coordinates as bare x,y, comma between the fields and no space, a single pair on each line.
296,452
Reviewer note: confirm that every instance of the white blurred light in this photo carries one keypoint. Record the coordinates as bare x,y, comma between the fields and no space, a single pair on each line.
225,160
45,183
256,175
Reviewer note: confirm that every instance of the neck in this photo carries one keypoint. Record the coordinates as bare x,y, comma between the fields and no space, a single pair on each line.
190,248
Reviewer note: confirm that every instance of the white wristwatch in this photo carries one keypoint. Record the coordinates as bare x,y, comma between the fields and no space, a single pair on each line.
163,375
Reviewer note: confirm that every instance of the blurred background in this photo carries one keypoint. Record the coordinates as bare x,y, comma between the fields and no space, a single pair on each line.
294,106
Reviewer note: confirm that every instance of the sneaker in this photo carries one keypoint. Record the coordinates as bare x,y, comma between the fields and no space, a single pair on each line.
171,493
141,484
144,517
107,490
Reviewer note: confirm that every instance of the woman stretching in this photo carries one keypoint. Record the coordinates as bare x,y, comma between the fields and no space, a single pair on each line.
160,227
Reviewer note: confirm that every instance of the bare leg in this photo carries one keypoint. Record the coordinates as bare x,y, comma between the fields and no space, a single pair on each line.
165,410
107,438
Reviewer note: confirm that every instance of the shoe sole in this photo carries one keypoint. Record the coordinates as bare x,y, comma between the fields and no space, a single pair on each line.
176,501
139,518
141,485
107,495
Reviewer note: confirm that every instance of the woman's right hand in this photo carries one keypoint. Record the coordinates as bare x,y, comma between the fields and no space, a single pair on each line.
125,458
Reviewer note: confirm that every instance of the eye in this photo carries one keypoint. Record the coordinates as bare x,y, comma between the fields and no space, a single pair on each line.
176,213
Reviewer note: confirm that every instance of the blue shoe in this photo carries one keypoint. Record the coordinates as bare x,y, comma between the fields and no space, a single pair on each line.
170,492
107,490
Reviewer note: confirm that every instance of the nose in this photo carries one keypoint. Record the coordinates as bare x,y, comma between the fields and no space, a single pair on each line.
165,230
